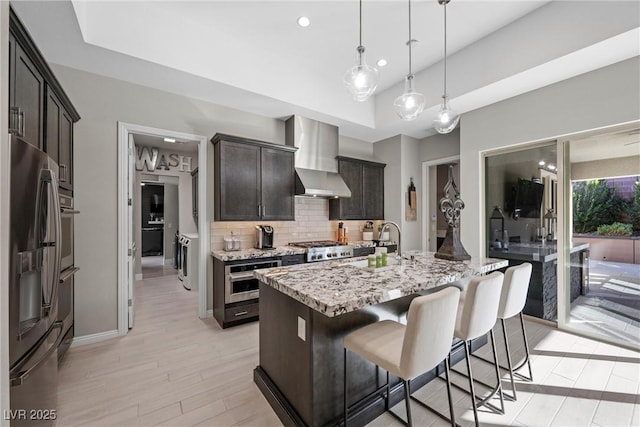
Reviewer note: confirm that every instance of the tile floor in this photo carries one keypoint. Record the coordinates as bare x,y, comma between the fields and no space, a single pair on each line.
174,369
612,305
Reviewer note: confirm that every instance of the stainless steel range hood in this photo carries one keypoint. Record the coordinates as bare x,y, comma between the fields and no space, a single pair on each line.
315,160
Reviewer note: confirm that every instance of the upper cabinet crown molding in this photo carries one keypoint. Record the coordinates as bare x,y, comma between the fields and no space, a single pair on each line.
232,138
22,36
40,112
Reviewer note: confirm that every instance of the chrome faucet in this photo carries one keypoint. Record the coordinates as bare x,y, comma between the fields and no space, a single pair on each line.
385,225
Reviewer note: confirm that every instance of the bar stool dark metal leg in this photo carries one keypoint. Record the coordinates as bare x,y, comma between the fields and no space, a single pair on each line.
497,366
446,373
345,386
407,401
467,358
509,364
386,401
526,348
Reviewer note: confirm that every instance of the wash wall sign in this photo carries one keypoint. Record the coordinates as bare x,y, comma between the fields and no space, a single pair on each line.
150,159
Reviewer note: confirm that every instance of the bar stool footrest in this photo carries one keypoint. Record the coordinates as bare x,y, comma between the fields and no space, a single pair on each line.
504,368
479,401
435,411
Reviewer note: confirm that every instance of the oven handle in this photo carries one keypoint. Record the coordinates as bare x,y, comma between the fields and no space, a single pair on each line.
68,273
240,276
67,211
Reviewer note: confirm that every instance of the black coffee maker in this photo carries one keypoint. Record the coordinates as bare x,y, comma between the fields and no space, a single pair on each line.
264,237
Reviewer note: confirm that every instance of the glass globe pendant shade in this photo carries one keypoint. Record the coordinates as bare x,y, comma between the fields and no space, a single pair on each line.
361,80
446,120
410,104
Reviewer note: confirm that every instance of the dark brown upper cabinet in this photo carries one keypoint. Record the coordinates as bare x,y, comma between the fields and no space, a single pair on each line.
26,95
254,180
365,179
58,138
40,112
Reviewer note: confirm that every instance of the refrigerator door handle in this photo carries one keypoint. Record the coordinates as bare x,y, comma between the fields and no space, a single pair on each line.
50,291
22,376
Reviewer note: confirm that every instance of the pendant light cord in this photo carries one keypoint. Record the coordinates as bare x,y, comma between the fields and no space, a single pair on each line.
360,23
410,42
445,48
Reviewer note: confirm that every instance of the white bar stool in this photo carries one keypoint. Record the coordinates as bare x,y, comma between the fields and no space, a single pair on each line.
477,314
512,301
411,350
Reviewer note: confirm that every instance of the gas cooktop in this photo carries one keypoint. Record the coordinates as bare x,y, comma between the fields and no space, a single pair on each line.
324,250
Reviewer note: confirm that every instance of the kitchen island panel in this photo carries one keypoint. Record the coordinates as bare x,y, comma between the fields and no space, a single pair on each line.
303,379
305,312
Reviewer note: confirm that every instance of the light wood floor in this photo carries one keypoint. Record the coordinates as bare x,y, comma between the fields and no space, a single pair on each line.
171,369
177,370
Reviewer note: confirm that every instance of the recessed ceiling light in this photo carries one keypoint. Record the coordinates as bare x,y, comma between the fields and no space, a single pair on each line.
169,140
541,163
142,184
552,167
304,22
381,62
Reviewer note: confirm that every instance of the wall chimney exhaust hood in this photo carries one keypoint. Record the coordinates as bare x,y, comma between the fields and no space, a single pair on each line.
315,160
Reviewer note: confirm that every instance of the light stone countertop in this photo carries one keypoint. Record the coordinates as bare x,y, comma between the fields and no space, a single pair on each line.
256,253
278,251
338,287
533,252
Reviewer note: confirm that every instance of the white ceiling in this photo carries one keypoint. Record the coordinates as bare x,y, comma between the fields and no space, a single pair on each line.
606,146
251,55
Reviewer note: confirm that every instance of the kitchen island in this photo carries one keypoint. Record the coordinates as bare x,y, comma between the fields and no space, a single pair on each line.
306,310
542,298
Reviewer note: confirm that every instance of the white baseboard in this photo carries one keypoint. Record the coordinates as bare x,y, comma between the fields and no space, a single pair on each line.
138,276
94,338
210,313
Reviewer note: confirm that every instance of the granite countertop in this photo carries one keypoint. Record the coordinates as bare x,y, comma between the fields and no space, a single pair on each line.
337,287
536,252
256,253
253,253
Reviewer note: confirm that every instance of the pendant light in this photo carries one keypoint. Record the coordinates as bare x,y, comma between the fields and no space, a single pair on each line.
446,120
410,104
361,80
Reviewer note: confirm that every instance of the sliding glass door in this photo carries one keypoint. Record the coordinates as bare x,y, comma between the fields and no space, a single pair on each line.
599,213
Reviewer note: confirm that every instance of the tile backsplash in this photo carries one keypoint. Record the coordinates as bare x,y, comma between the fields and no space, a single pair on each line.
312,223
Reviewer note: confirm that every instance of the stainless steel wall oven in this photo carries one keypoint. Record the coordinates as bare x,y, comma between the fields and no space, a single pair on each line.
239,283
67,272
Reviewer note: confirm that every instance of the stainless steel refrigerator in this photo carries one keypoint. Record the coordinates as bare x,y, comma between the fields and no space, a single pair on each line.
34,277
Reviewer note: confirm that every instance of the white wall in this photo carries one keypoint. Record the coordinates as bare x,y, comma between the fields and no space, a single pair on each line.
102,102
411,168
388,150
4,212
350,147
441,146
603,97
402,157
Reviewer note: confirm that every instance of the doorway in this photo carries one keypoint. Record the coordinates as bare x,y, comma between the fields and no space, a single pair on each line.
434,178
162,160
603,191
159,222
